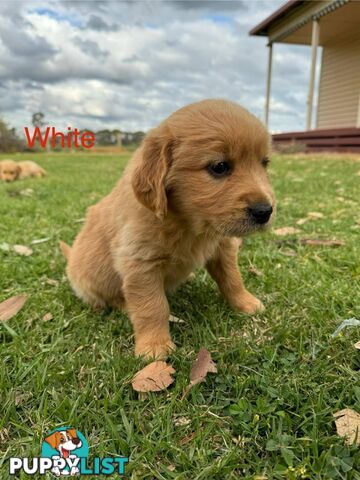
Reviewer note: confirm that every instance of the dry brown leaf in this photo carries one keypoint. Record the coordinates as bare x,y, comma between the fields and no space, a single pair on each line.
182,421
10,307
47,317
301,221
357,345
171,468
320,242
202,365
40,240
174,319
154,377
187,439
286,231
5,434
315,215
255,271
52,281
347,423
27,192
5,247
22,250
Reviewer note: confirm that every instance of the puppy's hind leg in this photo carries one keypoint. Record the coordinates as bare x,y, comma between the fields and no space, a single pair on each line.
224,270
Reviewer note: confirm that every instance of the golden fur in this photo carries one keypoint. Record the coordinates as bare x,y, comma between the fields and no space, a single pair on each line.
168,216
30,169
9,170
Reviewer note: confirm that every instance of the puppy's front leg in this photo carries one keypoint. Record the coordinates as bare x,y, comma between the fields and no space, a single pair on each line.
149,312
224,270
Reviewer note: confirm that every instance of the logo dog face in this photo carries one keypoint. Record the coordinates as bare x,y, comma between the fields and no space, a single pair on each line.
64,441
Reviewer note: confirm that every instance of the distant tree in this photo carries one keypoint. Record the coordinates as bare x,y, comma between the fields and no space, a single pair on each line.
37,120
132,138
9,140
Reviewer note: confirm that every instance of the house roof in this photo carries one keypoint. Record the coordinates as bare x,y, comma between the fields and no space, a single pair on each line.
263,27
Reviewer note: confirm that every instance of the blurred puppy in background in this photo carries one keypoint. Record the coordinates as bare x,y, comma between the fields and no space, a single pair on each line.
9,170
30,169
196,185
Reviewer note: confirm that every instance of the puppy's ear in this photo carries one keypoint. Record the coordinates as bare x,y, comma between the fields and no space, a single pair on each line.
72,432
53,440
148,180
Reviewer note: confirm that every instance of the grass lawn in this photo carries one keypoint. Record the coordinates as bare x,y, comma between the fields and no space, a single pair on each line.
281,376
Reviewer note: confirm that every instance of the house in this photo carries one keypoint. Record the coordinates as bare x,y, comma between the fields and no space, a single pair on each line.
334,26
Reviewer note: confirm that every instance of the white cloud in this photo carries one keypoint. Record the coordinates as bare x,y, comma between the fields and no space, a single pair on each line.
128,65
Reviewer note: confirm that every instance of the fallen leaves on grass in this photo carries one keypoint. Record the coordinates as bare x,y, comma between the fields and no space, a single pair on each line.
153,378
187,439
202,365
321,242
52,281
40,240
255,271
315,215
10,307
286,231
47,317
347,423
174,319
357,345
310,216
182,421
22,250
27,192
349,322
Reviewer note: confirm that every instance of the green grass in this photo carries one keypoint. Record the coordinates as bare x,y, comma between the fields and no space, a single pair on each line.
281,376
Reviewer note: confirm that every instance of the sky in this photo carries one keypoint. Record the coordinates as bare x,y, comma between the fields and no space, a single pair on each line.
129,64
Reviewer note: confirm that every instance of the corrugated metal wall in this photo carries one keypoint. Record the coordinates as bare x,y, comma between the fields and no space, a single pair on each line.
339,90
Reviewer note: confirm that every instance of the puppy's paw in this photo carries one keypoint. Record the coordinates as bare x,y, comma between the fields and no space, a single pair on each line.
247,303
154,349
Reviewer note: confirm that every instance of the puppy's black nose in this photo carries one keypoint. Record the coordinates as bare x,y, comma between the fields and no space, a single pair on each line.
260,212
76,441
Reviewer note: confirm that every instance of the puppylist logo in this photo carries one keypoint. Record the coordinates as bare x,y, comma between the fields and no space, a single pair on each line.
64,452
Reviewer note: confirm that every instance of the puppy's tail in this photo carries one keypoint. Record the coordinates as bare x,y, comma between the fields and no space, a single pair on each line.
66,249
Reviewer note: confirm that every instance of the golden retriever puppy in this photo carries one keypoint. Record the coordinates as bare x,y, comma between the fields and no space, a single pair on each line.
30,169
9,170
196,185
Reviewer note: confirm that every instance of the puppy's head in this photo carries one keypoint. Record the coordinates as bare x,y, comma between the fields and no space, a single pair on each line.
9,170
207,164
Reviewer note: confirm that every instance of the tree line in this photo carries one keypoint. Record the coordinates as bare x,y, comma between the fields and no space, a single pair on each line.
10,141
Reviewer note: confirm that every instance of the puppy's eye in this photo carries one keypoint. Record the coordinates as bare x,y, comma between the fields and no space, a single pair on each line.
265,161
219,169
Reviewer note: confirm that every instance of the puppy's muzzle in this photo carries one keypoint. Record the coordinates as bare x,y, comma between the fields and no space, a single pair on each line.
260,212
76,441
